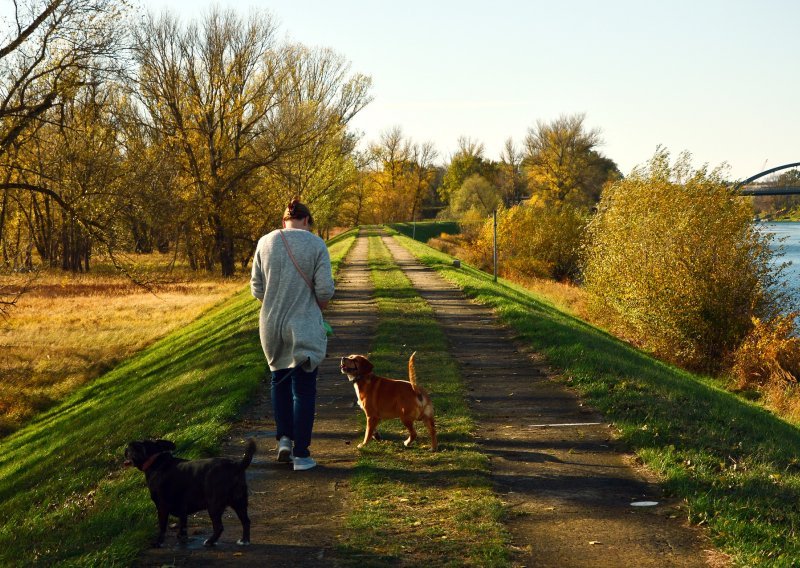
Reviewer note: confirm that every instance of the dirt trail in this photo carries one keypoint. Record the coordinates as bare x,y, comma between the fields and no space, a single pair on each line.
295,516
569,485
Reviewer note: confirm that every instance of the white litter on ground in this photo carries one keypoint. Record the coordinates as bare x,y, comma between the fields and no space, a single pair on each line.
563,425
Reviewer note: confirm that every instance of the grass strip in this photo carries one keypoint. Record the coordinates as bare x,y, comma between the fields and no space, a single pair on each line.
424,230
348,234
339,246
736,465
414,506
65,498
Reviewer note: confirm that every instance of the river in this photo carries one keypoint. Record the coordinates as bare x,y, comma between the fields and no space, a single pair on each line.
790,232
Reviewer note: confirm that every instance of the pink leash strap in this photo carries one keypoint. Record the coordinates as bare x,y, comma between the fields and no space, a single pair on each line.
297,266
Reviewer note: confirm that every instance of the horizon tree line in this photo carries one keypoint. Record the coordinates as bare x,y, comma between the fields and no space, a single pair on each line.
124,134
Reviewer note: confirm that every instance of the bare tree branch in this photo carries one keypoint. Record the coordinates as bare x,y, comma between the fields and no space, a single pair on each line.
32,27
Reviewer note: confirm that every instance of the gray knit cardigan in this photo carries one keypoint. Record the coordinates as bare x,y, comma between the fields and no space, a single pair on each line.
290,323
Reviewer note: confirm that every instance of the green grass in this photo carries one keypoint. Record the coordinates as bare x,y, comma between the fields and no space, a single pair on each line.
62,485
65,498
348,234
339,246
427,229
415,506
736,466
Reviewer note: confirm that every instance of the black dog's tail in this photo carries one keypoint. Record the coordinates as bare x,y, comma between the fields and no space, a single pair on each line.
248,454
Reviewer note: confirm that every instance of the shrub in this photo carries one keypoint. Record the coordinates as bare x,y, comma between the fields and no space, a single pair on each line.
768,361
769,355
536,239
449,244
675,264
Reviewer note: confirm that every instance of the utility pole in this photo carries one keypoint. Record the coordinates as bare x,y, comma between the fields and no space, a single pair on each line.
494,216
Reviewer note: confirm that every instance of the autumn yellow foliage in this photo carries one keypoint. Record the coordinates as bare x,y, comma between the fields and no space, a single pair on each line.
676,265
536,239
770,354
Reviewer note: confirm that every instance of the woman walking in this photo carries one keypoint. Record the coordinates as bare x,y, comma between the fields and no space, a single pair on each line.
292,278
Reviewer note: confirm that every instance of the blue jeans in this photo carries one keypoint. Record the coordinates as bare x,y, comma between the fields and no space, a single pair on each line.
294,396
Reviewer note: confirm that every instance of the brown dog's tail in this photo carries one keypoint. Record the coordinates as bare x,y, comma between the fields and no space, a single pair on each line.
412,372
248,454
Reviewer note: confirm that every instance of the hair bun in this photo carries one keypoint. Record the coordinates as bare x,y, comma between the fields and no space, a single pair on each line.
297,210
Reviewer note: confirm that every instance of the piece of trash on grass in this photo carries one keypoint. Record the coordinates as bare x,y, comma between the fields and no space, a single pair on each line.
644,503
593,542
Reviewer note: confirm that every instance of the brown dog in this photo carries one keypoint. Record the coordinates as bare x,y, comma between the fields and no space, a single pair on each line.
383,398
180,487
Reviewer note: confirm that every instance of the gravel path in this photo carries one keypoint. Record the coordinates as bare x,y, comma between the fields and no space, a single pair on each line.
554,461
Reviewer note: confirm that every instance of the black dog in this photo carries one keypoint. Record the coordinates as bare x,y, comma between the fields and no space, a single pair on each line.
179,487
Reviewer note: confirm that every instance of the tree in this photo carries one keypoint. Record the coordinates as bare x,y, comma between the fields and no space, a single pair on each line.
400,177
475,195
321,174
510,178
424,174
354,200
151,214
79,152
390,176
238,108
561,163
534,240
468,160
55,51
675,264
54,48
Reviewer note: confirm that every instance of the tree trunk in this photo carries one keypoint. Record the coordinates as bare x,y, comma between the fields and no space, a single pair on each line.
142,237
75,247
223,247
3,209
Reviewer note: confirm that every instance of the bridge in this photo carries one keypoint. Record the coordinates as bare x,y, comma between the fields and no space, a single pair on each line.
750,187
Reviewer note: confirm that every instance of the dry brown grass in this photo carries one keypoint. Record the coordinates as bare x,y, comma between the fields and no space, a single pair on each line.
563,295
768,362
68,329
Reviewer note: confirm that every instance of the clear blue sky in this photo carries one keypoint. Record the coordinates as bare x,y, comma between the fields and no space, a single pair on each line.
717,78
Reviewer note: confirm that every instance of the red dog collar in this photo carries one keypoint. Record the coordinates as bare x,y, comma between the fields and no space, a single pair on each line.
146,465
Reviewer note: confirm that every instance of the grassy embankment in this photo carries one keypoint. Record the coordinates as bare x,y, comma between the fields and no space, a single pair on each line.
67,330
736,465
65,497
415,506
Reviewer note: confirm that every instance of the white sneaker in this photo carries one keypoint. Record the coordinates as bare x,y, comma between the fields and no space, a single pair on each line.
284,449
302,464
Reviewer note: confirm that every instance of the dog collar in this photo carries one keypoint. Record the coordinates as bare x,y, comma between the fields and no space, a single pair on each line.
356,378
146,465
